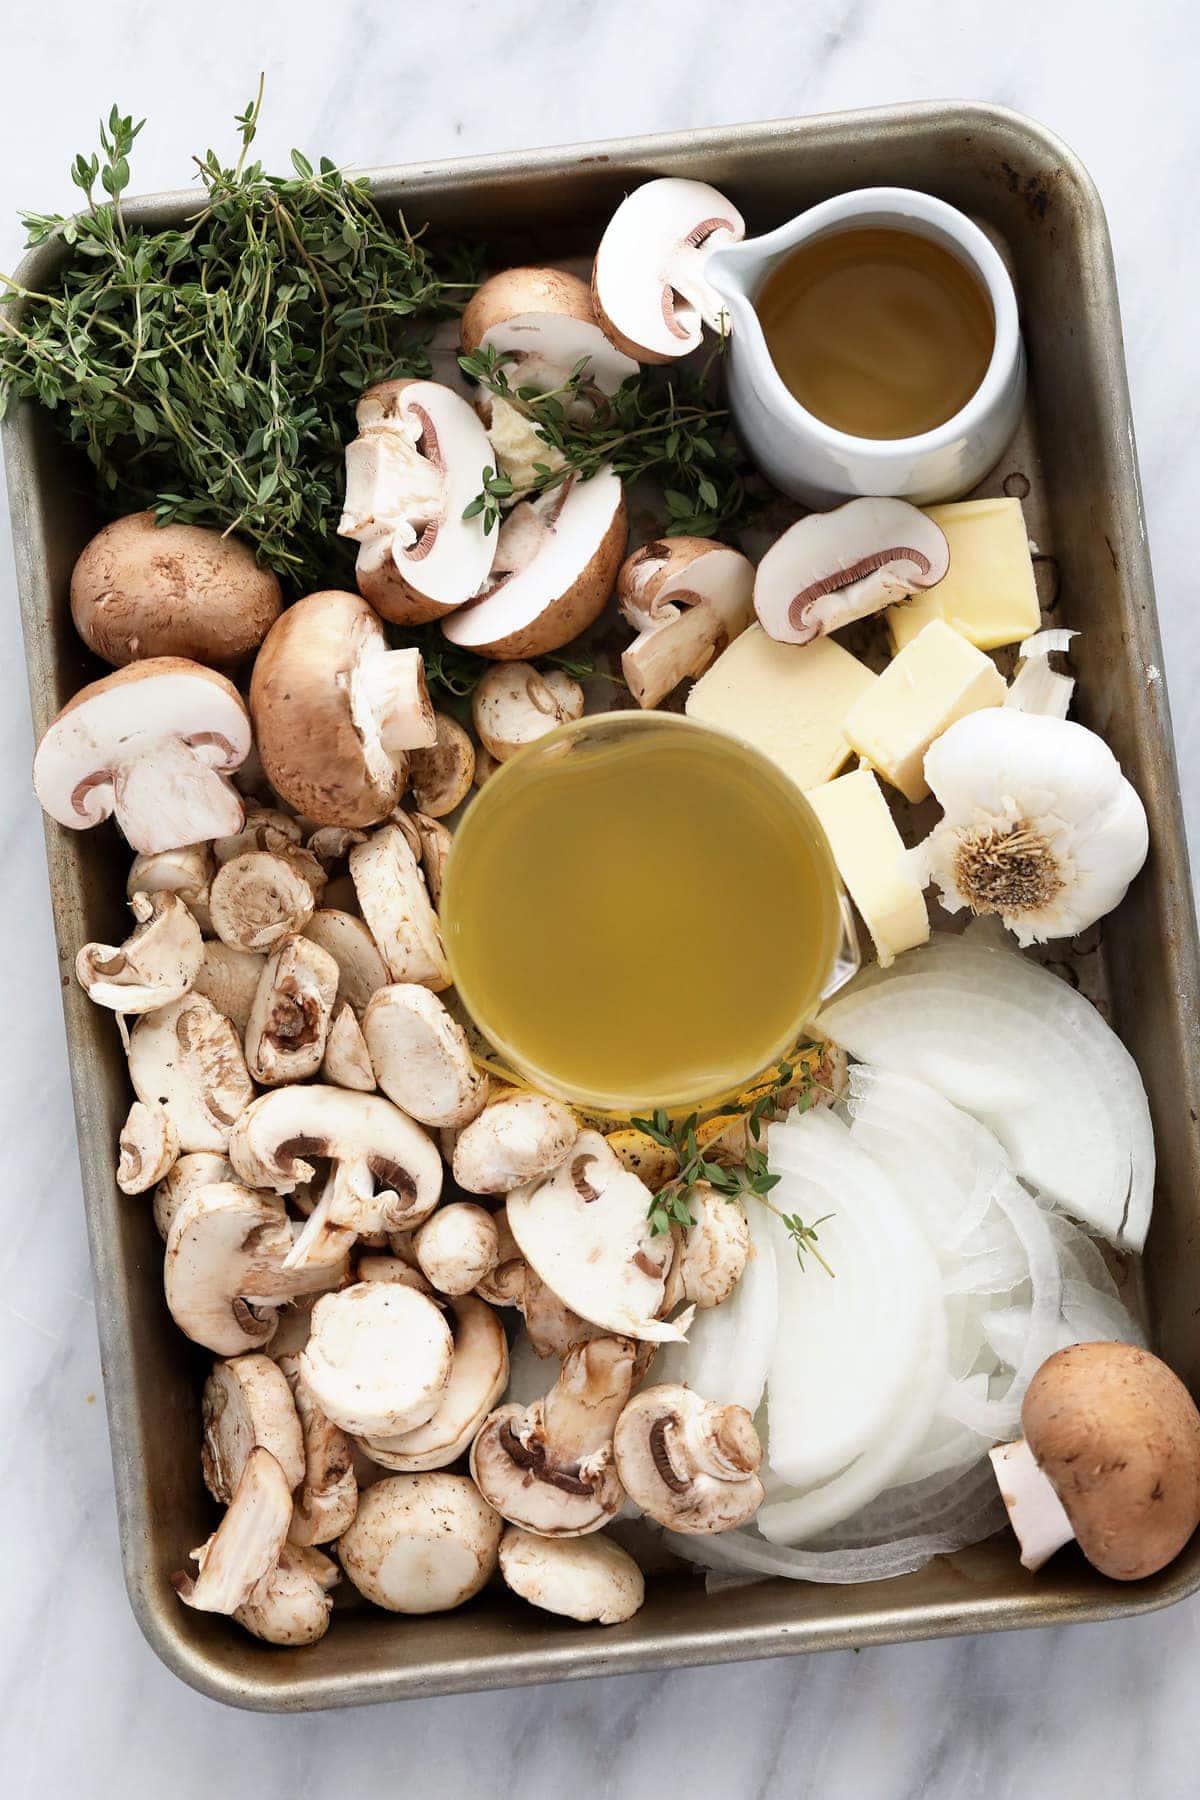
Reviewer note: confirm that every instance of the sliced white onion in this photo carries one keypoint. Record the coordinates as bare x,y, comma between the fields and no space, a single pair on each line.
729,1347
1036,687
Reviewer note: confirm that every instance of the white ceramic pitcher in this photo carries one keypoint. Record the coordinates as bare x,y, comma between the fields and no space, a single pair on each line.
810,460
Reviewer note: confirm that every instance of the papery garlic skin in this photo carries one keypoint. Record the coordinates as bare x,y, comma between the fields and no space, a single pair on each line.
1040,826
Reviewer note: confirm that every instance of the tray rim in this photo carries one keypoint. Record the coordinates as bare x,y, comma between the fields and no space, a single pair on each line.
603,1653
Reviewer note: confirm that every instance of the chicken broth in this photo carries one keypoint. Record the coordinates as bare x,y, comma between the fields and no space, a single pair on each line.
878,333
640,913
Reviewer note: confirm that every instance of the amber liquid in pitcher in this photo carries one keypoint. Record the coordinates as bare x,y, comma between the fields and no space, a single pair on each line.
877,332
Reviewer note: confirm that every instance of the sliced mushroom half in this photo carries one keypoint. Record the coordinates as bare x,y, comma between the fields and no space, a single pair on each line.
185,1177
347,1061
187,1059
156,964
230,978
247,1402
648,283
396,905
516,704
440,776
832,568
421,1057
185,871
541,321
477,1380
289,1020
687,598
688,1464
147,1148
327,1493
246,1545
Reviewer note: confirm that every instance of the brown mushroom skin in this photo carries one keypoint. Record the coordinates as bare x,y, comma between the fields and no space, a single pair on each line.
141,589
1118,1436
525,290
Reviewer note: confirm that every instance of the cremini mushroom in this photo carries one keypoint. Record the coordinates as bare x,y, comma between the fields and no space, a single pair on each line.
154,745
148,1148
436,843
185,871
648,284
140,589
185,1177
327,1492
378,1358
688,1464
230,978
516,704
421,1543
541,322
457,1247
246,1545
584,1229
549,1467
477,1379
416,465
336,712
261,897
247,1402
1110,1456
292,1603
396,906
347,1060
440,776
686,598
832,568
187,1059
556,560
590,1579
713,1249
225,1268
421,1057
515,1139
289,1020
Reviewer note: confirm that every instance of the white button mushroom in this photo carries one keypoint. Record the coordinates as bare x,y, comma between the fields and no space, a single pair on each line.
347,1061
261,896
590,1579
289,1020
154,744
292,1603
713,1250
361,969
395,903
185,871
457,1247
421,1543
246,1545
147,1149
688,1464
515,705
157,963
687,598
187,1058
421,1057
327,1495
477,1379
247,1402
832,568
648,282
229,978
378,1359
515,1139
201,1168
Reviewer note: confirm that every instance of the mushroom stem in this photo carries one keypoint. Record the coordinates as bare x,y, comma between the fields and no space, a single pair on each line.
391,688
1034,1509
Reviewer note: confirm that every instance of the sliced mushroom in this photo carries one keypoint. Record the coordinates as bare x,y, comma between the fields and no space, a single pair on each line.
648,283
478,1378
688,1464
421,1543
156,964
246,1545
551,1327
142,589
361,969
516,704
332,844
832,568
148,1148
440,777
247,1402
327,1493
556,560
414,468
421,1057
395,903
230,978
153,744
294,1324
185,871
347,1061
687,598
457,1247
396,1266
584,1229
590,1579
712,1253
187,1058
336,712
549,1467
225,1272
515,1139
263,828
202,1168
541,321
289,1021
259,898
378,1359
291,1605
436,844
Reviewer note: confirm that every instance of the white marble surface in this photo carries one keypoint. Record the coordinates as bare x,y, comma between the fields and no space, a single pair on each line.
1100,1711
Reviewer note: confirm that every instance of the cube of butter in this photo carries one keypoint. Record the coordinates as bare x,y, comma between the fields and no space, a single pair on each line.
787,700
868,849
936,679
988,593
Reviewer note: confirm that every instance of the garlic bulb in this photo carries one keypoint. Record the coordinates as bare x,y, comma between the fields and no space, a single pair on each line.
1039,826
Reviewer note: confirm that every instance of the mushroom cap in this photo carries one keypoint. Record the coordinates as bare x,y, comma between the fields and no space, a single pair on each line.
543,319
416,465
157,963
688,1464
317,754
421,1057
291,1605
687,598
186,871
648,285
555,563
152,743
590,1579
187,1058
457,1247
396,906
140,589
247,1402
513,1140
361,969
246,1545
1118,1436
477,1380
440,776
834,567
515,704
289,1020
421,1543
378,1359
260,897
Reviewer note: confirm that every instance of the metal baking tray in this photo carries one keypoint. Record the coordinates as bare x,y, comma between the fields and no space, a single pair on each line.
1076,462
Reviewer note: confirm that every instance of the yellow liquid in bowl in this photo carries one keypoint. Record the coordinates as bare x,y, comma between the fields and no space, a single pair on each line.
639,911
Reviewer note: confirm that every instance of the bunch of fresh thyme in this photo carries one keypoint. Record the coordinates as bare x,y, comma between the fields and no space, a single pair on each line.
748,1179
